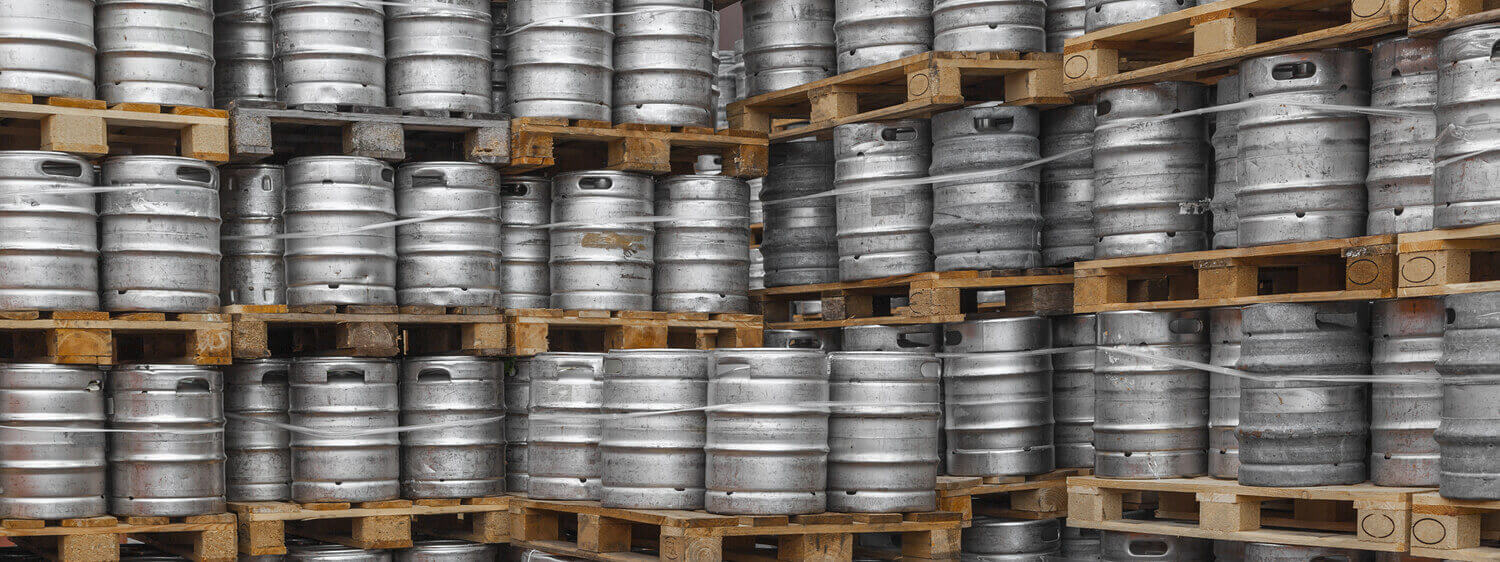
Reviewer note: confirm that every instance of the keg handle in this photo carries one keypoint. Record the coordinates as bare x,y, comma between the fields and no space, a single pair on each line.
922,339
733,364
994,124
1185,326
274,378
595,182
192,386
1329,558
1294,70
1103,108
1148,547
62,168
345,375
890,134
434,374
429,179
804,343
1336,319
195,174
514,189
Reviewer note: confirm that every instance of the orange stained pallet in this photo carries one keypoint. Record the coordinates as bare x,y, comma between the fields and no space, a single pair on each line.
1437,16
932,298
575,144
915,86
113,338
203,538
1451,529
263,526
539,330
366,330
1450,261
91,128
1205,41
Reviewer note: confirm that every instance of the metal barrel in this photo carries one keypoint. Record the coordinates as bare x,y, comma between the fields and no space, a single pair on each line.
1064,21
156,51
448,550
259,463
561,65
1068,185
343,399
757,207
1102,14
1469,435
1266,552
724,87
49,48
1299,425
159,240
757,273
49,248
335,258
1080,544
1146,170
244,52
652,449
741,77
991,222
454,259
989,25
1226,143
438,55
1399,181
465,459
799,243
1466,177
499,75
1141,547
883,427
1229,551
997,404
46,474
1001,539
319,552
870,32
596,263
517,417
767,448
788,43
1150,417
900,337
1073,391
1406,342
663,58
1302,169
171,462
565,428
883,231
703,256
525,205
330,52
823,339
1226,333
251,199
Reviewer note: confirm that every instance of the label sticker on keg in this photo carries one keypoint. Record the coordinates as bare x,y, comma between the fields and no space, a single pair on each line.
888,205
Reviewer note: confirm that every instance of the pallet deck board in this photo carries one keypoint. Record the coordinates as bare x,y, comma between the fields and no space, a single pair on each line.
932,298
263,129
92,129
573,144
206,538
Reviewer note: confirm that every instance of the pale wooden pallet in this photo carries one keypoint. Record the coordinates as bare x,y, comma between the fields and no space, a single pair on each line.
112,338
91,128
203,538
266,129
1430,17
562,145
1450,261
1041,496
1450,529
263,526
366,331
932,298
539,330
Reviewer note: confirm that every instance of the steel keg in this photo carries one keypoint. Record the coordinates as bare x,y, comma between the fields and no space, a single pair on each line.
654,429
448,550
334,257
1226,143
702,257
1299,426
999,539
883,427
1068,185
453,260
788,43
1150,417
767,448
724,87
663,59
1064,21
799,245
525,205
250,201
561,65
1149,173
1469,434
598,264
1226,332
1399,181
1080,544
49,249
883,231
330,52
259,463
1265,552
1101,14
900,337
342,399
565,427
741,78
997,405
159,240
171,463
320,552
870,32
989,25
1073,390
1141,547
49,48
991,222
243,52
1229,551
823,339
1406,338
462,460
47,474
438,55
757,273
1466,175
499,76
517,415
155,51
757,207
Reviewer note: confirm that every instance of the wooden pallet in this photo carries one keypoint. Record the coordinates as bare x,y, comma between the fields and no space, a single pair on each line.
91,128
113,338
586,530
1452,529
365,331
931,298
539,330
915,86
1042,496
1327,270
576,144
1428,17
1206,41
1363,516
204,538
263,526
1445,262
266,129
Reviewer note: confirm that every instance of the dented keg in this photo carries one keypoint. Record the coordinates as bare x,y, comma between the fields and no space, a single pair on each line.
330,52
560,65
328,199
998,405
1013,540
448,550
788,43
1150,417
1226,333
47,474
1064,21
767,448
1265,552
49,247
822,339
155,51
598,264
176,467
49,48
883,446
800,245
883,231
1073,391
663,58
340,397
1226,143
702,258
1399,180
1109,13
438,54
870,32
243,52
900,337
991,222
459,461
159,240
1406,342
259,464
453,260
1140,547
989,25
517,415
1469,435
525,205
653,452
565,427
1149,174
1068,185
1466,179
250,202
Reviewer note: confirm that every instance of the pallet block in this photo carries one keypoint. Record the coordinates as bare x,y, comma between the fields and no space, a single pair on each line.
1452,529
1429,17
1449,261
